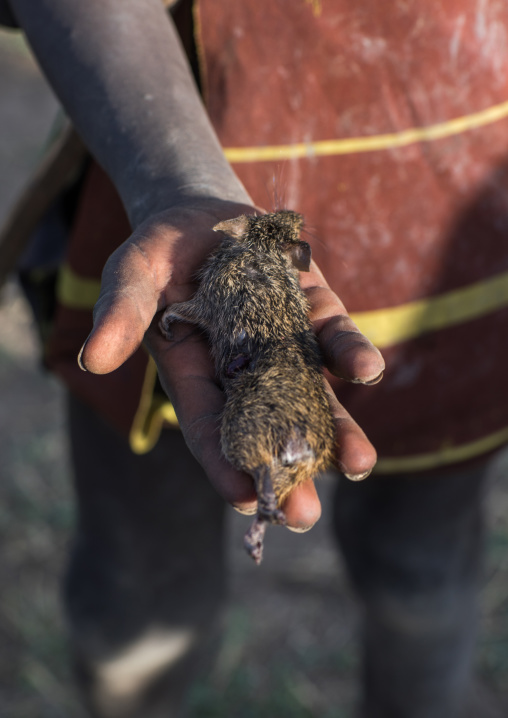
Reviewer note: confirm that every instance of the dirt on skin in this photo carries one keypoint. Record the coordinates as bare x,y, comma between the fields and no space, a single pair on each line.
290,645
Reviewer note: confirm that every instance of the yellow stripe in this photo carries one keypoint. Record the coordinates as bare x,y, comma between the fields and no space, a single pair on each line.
154,411
445,456
371,143
76,292
386,327
151,414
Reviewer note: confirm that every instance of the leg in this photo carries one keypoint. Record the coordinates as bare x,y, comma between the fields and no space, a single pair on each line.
267,513
146,576
413,546
181,312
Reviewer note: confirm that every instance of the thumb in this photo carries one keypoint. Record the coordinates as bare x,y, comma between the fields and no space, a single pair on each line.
122,314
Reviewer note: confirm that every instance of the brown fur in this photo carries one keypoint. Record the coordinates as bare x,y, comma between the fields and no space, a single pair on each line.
276,425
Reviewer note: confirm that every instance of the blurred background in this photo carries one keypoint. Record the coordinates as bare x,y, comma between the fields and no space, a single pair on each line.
290,635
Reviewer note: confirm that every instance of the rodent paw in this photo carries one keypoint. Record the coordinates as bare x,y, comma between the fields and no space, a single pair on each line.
164,327
253,540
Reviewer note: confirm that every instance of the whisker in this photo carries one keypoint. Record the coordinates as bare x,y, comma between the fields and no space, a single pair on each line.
309,232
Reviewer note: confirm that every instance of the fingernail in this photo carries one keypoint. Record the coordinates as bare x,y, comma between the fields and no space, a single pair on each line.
299,529
374,381
80,363
246,512
357,477
371,382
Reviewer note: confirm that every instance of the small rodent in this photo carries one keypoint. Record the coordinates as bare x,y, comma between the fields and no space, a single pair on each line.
276,425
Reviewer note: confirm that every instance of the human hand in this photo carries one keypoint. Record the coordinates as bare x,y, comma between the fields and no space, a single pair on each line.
155,268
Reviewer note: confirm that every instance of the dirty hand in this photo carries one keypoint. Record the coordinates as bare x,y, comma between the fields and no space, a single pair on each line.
156,267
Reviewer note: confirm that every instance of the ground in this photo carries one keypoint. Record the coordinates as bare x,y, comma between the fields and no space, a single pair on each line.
290,641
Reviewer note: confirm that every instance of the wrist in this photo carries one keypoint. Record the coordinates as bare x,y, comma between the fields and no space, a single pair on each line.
168,193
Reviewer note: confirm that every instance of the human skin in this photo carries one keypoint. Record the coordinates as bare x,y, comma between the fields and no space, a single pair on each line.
121,74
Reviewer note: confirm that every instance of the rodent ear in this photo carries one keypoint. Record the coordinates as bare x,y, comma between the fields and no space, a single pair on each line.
233,227
300,255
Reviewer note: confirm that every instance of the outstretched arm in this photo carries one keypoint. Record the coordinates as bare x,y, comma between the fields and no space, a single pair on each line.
122,76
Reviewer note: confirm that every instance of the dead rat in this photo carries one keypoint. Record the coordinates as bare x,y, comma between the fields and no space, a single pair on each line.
276,425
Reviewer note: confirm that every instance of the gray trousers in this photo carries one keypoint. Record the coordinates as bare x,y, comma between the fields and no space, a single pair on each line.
146,578
413,546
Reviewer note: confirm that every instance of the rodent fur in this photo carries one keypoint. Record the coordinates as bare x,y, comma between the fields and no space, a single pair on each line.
276,425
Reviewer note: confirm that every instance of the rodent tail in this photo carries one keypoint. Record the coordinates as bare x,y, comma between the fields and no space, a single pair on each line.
268,512
267,500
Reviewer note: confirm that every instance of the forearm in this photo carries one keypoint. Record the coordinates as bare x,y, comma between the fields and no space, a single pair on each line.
121,74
